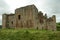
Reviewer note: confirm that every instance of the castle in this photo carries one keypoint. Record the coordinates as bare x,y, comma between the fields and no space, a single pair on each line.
28,17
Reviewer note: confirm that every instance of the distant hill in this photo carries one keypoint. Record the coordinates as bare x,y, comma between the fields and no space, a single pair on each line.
0,26
58,26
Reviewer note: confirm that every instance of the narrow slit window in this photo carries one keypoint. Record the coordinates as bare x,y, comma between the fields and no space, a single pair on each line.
12,22
19,17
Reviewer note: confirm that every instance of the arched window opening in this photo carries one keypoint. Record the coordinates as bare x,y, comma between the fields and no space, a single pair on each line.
12,22
19,17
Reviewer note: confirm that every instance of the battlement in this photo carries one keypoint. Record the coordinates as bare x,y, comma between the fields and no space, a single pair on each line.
29,6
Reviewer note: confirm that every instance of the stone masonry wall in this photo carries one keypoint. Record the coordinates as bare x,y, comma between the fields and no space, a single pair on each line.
28,17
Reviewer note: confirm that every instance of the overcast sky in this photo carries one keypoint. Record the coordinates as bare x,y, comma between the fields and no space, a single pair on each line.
51,7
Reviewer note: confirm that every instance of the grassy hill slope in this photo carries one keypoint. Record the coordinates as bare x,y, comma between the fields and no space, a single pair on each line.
28,34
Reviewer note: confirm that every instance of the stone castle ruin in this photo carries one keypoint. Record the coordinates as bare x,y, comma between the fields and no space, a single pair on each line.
28,17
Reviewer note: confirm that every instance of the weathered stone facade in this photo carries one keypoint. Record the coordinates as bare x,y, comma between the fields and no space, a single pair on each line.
28,17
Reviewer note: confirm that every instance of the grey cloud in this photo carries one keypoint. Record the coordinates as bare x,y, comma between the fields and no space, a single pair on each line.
51,7
4,8
54,5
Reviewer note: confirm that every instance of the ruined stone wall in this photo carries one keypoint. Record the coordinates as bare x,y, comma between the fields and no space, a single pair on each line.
28,16
46,23
8,20
41,20
54,27
11,20
51,23
4,20
54,22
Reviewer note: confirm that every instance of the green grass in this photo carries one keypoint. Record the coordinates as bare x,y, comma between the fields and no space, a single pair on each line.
28,34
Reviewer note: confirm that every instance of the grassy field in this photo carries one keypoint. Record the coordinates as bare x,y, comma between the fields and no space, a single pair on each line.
28,34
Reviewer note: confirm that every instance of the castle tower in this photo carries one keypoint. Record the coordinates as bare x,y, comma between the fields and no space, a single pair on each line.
4,20
54,22
51,23
41,20
45,22
45,16
26,16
